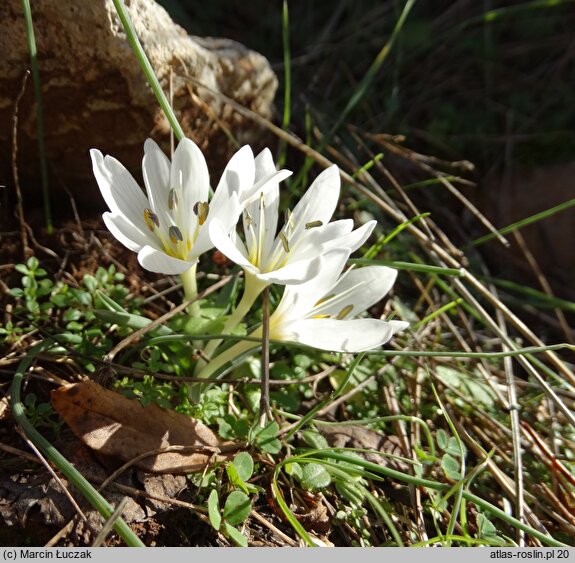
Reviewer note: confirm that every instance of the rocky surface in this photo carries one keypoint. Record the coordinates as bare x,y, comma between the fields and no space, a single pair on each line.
95,95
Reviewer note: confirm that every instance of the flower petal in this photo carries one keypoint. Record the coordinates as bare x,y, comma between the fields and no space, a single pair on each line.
355,335
319,201
156,172
398,326
298,300
238,177
294,273
319,240
357,290
221,240
353,240
265,165
129,235
120,191
227,213
158,261
190,171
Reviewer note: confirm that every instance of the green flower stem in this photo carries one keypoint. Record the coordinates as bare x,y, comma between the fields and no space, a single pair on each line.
229,355
67,469
39,112
147,68
253,287
190,285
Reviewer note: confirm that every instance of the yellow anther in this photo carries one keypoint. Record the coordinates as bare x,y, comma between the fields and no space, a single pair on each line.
285,242
151,219
249,220
344,312
321,316
201,209
313,224
324,299
175,234
289,224
172,199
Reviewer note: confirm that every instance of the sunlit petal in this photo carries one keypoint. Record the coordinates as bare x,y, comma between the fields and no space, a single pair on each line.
294,273
156,172
359,289
238,177
158,261
119,189
355,335
129,235
221,240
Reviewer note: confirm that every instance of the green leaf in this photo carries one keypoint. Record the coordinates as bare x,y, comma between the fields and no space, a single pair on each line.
214,510
244,465
71,315
487,530
235,479
22,269
266,439
453,447
302,361
350,491
315,476
235,535
237,507
451,467
295,470
442,438
90,282
314,439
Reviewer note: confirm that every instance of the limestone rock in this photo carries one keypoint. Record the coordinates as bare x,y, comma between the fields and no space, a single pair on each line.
95,95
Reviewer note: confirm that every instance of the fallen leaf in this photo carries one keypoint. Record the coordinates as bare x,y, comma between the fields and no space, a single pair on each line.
116,426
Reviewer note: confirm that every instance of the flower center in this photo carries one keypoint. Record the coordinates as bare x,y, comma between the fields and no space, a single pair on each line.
177,244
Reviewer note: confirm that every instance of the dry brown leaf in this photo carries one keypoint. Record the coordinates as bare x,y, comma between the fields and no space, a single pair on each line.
113,425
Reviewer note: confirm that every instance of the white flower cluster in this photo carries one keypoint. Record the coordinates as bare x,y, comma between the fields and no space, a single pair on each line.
176,222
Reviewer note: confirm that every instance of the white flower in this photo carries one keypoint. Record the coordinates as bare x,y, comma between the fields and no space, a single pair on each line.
169,228
320,312
291,256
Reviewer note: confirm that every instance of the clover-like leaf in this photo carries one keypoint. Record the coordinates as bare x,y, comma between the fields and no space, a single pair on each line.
315,476
237,507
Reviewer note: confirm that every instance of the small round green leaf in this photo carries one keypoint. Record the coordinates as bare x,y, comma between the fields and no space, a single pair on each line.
214,510
235,535
315,476
237,507
244,465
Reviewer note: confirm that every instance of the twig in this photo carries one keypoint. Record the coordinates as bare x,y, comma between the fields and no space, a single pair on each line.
45,463
109,524
257,516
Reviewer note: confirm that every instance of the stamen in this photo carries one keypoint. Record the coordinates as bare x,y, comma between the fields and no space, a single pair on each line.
285,242
313,224
289,224
321,316
172,199
249,220
201,209
344,312
175,234
324,299
151,219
